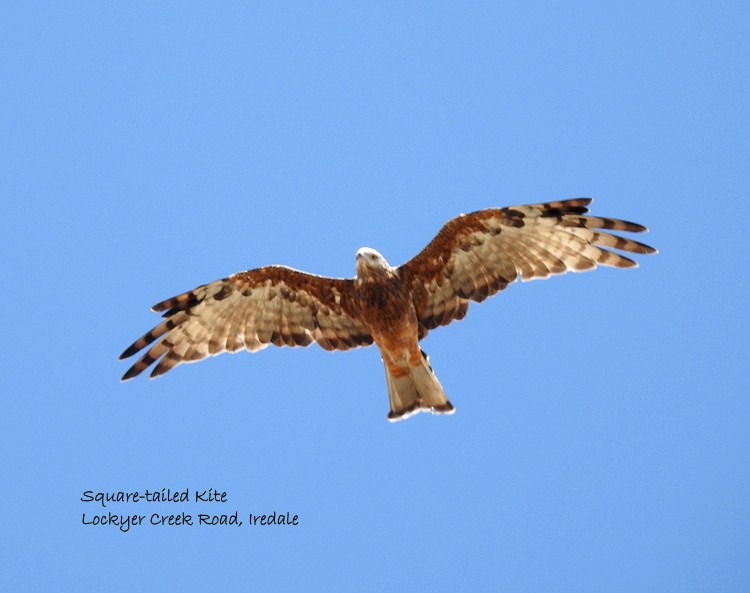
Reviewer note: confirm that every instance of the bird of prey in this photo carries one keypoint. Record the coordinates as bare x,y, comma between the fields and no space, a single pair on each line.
471,258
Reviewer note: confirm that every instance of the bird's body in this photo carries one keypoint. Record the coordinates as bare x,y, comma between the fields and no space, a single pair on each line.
385,301
387,309
472,257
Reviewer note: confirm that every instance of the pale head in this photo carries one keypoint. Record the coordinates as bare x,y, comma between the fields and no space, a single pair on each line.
370,261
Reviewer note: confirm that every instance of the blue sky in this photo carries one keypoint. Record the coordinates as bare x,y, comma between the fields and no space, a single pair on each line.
601,435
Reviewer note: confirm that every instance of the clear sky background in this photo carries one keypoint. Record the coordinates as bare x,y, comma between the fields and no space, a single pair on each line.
600,441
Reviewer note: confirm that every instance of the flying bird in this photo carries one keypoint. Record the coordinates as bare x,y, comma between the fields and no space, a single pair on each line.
472,257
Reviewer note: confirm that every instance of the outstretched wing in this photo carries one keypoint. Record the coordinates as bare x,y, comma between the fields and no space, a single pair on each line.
476,255
250,310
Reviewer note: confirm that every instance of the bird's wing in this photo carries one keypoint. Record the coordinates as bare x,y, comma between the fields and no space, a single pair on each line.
476,255
250,310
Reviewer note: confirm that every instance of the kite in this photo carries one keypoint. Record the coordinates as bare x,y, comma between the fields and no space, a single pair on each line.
472,257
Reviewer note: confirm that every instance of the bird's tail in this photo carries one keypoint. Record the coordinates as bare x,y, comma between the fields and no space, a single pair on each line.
416,391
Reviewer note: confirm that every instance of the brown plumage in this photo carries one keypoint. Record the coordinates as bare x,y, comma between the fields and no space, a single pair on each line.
471,258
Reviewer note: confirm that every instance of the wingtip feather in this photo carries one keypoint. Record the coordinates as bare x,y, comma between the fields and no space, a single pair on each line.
129,374
129,351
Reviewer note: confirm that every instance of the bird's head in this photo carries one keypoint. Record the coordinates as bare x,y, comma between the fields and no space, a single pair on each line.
370,262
